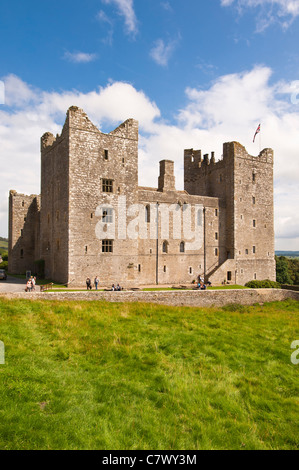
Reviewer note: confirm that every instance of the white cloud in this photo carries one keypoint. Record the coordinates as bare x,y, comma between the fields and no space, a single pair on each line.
229,110
79,57
103,18
161,52
271,11
126,9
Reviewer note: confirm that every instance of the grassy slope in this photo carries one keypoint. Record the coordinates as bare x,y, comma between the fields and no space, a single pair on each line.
3,245
133,376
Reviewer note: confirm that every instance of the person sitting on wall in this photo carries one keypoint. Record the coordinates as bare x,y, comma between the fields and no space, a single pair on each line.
118,287
203,287
88,284
113,287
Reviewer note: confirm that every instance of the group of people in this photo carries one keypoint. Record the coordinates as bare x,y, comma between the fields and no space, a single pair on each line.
30,284
201,283
116,288
96,283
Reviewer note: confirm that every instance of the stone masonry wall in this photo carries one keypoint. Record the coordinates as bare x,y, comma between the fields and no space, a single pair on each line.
198,299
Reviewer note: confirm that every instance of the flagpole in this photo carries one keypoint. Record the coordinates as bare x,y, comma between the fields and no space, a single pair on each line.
260,141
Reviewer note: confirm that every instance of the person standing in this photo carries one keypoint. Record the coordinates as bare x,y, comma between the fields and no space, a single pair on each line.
96,282
88,284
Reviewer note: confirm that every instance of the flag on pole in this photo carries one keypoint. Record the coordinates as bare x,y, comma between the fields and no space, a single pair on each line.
256,132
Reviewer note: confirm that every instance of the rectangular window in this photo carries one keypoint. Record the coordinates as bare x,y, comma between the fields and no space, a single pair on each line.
254,276
216,235
139,268
254,223
106,156
216,251
253,200
107,214
229,275
253,177
216,212
165,269
190,270
107,186
246,252
107,246
253,250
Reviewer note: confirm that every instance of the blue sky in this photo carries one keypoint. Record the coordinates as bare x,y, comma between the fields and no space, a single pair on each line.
195,73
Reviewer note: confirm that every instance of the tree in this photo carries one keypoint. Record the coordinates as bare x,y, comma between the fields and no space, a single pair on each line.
282,270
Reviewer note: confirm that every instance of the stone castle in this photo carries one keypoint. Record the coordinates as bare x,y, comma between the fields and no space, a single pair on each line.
78,226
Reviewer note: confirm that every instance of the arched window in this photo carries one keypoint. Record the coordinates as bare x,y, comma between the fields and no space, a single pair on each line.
182,247
147,214
165,247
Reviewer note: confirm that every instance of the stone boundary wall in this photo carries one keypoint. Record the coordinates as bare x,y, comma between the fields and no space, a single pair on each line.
285,286
181,298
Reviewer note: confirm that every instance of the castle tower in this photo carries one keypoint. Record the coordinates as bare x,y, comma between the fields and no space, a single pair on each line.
245,185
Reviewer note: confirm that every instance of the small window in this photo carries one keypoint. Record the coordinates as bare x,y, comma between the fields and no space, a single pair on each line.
255,276
91,215
254,223
21,232
182,247
106,155
86,249
23,203
216,251
253,177
164,269
123,160
253,200
24,219
139,268
22,253
229,275
241,217
190,270
107,186
147,214
165,247
216,212
216,235
107,246
253,250
107,214
246,251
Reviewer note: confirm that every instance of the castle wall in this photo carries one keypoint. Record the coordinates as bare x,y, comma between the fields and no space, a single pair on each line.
24,217
55,205
95,157
245,183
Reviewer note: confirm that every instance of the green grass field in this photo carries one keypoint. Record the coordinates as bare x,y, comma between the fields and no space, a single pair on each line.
93,375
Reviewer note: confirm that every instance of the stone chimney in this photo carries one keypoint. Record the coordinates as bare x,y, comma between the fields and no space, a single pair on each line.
166,181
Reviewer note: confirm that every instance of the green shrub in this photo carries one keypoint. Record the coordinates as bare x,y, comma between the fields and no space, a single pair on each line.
4,265
266,284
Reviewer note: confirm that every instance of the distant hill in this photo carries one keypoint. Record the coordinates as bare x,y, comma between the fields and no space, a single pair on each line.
3,243
288,254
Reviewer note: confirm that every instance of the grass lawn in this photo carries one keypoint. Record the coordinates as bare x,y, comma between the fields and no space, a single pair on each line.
94,375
